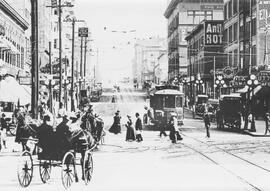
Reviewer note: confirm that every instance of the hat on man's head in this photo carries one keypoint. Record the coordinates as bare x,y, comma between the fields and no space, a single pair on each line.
65,118
3,115
46,118
128,116
117,111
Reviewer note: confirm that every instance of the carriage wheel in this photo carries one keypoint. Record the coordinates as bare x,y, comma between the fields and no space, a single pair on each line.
87,167
25,169
12,129
45,171
68,172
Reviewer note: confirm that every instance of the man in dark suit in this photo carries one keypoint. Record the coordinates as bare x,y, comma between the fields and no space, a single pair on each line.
138,127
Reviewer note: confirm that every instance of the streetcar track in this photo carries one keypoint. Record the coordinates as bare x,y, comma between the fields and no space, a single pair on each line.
219,165
227,152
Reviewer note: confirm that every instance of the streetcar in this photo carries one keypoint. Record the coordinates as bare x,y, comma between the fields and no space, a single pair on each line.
167,100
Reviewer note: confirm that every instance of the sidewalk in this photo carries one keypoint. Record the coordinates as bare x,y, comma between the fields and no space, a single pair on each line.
260,129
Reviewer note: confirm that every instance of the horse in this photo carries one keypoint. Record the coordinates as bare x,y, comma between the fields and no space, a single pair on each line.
23,133
81,141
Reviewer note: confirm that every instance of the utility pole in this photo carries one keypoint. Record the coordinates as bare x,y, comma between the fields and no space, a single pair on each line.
59,7
50,81
85,51
214,89
73,21
34,58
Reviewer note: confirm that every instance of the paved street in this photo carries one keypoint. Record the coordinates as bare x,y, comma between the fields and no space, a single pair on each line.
226,161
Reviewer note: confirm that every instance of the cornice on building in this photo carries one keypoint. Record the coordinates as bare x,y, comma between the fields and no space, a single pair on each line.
172,5
12,13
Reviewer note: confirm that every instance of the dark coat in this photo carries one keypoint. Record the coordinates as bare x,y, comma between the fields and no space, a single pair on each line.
21,132
63,135
116,126
206,120
45,137
138,124
4,124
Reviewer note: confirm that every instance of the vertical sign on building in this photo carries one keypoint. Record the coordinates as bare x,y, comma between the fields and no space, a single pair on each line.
213,32
264,13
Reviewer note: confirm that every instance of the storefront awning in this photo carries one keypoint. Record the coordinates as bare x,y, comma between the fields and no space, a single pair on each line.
10,88
243,90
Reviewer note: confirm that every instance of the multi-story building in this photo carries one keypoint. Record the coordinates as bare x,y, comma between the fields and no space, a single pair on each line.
183,16
147,52
13,40
246,34
205,55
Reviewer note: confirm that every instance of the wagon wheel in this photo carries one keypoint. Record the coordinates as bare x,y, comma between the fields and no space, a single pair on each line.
12,129
25,169
87,167
45,170
68,172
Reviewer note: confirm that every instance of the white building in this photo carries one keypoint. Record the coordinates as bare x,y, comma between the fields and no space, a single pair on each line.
147,52
13,47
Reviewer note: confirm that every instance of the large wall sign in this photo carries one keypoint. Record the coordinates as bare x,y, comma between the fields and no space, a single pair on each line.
213,32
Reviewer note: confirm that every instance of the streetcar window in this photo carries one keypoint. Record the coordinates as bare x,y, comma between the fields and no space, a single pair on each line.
179,101
170,101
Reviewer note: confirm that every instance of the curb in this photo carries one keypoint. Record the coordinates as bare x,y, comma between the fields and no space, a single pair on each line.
247,132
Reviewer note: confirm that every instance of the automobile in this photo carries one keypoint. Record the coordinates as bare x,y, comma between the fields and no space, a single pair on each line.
230,112
200,104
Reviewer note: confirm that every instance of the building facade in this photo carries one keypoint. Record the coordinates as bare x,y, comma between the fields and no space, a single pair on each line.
147,52
205,56
13,39
183,16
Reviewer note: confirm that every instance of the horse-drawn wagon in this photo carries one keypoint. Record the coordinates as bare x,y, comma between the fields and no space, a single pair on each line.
52,153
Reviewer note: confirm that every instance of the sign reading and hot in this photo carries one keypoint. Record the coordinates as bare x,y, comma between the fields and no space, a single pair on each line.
213,32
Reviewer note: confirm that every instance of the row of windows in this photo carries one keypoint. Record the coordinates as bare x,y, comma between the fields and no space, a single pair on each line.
12,59
231,34
230,8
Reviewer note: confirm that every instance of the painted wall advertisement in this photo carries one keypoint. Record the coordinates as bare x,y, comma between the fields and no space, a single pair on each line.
213,32
264,13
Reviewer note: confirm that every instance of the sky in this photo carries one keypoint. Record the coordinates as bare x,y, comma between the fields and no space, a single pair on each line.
140,18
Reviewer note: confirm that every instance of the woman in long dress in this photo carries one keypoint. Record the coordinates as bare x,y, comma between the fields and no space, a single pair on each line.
116,126
130,134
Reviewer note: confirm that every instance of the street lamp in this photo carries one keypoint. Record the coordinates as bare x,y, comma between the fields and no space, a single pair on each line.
220,83
199,82
66,82
50,82
185,82
252,83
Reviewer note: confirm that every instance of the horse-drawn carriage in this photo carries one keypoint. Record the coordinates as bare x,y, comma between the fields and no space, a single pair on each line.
56,149
229,114
51,153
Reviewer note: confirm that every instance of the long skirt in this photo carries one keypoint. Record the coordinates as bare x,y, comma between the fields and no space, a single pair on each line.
115,128
130,134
